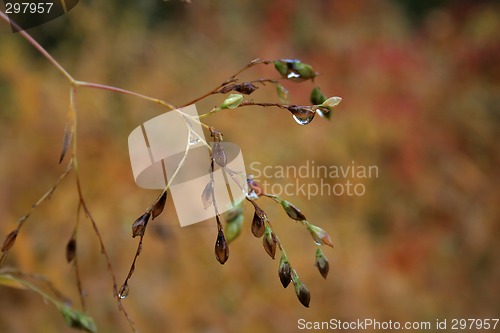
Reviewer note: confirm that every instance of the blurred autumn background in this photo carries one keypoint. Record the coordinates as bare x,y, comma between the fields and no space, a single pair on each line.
420,82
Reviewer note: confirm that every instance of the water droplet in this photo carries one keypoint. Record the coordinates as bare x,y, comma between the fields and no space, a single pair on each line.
193,138
124,290
303,120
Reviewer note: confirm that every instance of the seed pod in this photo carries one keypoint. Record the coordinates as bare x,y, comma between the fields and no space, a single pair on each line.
207,195
305,71
219,155
320,236
245,88
71,250
139,226
233,101
234,222
282,93
322,263
285,272
221,248
292,211
301,290
159,205
317,97
332,102
294,70
258,223
269,242
9,240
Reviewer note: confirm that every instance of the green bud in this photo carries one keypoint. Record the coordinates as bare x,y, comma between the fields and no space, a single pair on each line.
331,102
234,222
317,96
292,211
294,70
282,66
305,71
322,263
78,320
233,101
282,93
320,236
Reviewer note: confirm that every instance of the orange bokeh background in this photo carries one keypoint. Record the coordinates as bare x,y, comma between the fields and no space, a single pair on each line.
420,88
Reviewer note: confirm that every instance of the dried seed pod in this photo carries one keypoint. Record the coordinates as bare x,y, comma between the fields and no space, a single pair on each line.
245,88
219,155
159,205
139,226
301,290
9,240
221,248
285,272
71,250
258,223
322,263
292,211
319,235
269,242
207,195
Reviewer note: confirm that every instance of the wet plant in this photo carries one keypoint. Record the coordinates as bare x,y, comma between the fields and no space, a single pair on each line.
235,95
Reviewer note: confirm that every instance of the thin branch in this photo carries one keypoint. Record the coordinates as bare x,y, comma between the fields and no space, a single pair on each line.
37,46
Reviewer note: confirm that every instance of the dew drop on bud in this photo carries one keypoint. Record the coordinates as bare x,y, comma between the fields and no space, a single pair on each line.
301,114
124,290
303,120
193,138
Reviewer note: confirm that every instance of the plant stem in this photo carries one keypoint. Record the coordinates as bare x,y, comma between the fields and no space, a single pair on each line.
37,46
